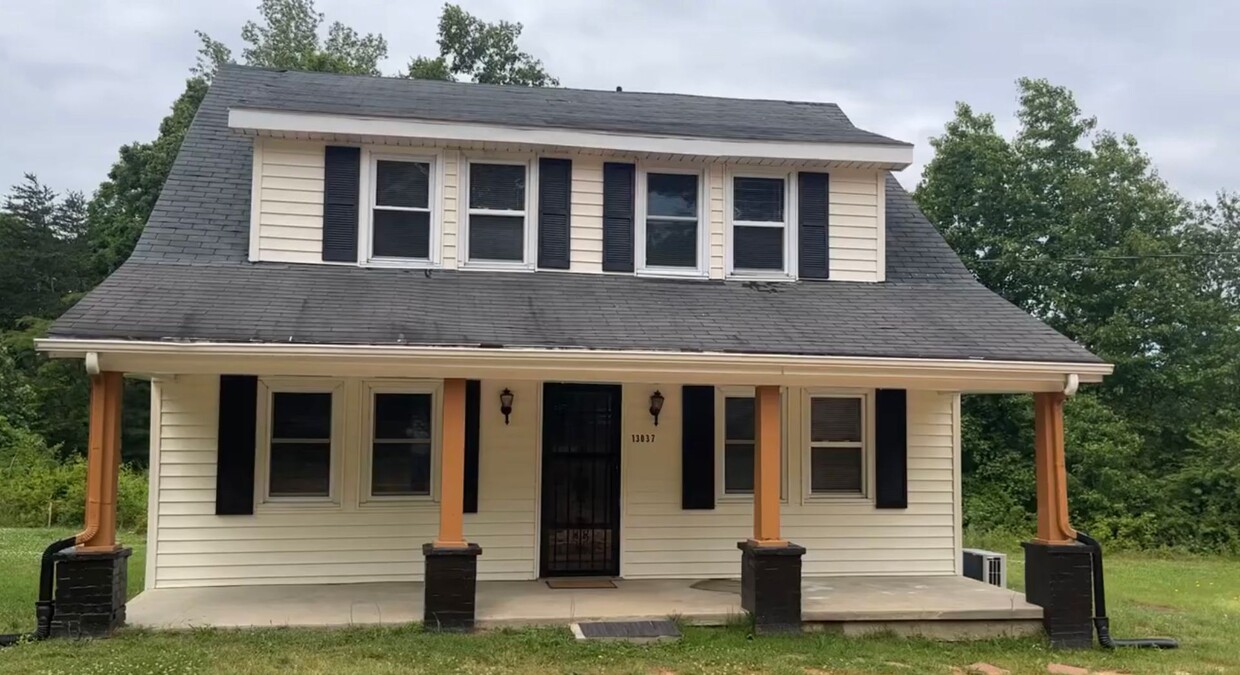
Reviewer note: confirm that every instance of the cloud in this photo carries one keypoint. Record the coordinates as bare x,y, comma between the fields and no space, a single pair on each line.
80,80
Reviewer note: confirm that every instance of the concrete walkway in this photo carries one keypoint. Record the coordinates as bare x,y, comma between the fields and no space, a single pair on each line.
867,600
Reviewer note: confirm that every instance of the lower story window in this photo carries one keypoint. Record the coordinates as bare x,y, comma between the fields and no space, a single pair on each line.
301,444
738,445
401,445
836,448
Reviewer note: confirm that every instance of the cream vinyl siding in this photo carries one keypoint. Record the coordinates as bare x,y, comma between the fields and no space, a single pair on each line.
856,225
288,204
291,544
842,536
288,210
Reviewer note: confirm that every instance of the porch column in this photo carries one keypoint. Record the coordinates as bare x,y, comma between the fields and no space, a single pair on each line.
1058,572
451,570
770,564
92,577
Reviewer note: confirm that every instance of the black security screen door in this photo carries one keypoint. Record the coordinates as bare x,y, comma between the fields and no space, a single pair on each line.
581,480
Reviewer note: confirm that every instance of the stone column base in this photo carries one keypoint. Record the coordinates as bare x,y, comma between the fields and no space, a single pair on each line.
771,586
451,587
91,589
1059,579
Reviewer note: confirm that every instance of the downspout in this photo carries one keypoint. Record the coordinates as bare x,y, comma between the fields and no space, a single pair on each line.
1101,623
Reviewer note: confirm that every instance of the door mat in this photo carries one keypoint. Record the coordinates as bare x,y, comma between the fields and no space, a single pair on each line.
570,583
719,585
627,631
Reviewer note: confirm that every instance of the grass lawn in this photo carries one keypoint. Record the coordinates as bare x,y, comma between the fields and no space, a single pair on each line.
1194,599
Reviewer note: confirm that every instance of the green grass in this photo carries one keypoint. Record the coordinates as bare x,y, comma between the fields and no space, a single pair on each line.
1196,599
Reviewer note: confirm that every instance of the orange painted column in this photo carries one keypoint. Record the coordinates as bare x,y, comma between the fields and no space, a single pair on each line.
452,467
103,463
766,456
1052,475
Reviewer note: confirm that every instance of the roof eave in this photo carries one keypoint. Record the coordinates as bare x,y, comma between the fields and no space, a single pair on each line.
890,155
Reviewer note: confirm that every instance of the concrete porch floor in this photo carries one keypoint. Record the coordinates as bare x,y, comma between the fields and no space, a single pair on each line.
855,604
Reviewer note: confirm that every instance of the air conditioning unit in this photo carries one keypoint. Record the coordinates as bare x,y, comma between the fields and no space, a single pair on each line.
986,566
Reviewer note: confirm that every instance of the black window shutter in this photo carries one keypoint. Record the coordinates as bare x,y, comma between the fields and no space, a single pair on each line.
234,471
473,442
618,194
697,448
341,170
813,214
555,186
891,448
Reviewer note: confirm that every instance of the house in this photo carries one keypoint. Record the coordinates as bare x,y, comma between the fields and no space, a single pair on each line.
414,332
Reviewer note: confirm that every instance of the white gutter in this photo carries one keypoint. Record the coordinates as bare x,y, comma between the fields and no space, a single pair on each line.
893,155
636,365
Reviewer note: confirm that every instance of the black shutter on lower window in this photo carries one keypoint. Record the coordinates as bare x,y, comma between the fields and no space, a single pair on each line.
341,173
891,448
473,442
234,471
813,226
619,191
555,186
697,447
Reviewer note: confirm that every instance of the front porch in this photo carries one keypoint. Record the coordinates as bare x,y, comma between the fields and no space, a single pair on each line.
939,606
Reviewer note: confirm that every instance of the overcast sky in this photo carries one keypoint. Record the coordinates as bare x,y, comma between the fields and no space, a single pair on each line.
80,78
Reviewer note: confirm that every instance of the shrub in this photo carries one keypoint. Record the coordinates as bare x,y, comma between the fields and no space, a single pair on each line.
39,490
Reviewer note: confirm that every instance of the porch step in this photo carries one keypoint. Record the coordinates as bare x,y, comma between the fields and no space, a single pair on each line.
627,631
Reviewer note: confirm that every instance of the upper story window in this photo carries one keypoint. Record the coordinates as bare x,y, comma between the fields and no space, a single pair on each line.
761,232
670,234
498,231
402,223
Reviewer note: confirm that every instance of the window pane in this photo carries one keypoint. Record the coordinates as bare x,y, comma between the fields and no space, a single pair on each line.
497,238
671,243
402,234
500,187
670,194
835,470
758,248
402,183
301,415
300,469
738,418
835,420
738,467
760,199
403,416
401,469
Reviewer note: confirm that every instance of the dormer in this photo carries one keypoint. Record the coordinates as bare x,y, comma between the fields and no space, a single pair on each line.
421,174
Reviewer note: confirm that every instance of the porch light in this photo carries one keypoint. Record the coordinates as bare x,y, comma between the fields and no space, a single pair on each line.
656,405
505,403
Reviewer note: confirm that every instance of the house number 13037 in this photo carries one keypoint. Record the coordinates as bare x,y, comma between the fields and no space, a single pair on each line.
643,438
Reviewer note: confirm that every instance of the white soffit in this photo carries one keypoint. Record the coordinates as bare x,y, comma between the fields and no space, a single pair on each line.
262,122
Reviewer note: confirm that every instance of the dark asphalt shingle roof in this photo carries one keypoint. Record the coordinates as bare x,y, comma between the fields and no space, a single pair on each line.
189,279
578,109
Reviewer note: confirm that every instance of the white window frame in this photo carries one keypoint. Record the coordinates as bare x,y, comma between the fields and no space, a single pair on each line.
640,215
528,261
368,188
369,389
721,430
267,388
867,445
788,273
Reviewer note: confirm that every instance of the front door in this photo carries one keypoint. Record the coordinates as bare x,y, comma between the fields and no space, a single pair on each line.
580,480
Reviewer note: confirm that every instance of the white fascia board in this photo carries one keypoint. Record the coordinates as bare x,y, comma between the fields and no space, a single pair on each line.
575,364
891,156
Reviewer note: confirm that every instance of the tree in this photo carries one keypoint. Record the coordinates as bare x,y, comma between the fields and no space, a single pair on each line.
40,251
1075,226
484,52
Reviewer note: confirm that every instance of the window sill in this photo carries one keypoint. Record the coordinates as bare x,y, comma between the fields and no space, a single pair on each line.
734,498
842,499
760,276
401,263
672,273
401,503
496,266
293,505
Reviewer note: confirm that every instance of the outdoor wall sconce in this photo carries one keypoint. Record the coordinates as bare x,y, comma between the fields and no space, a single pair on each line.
505,403
656,405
